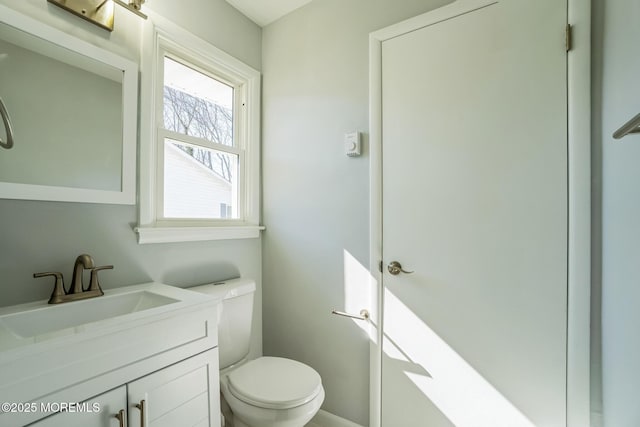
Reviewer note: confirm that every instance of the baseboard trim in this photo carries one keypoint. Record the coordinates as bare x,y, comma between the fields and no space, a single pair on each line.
327,419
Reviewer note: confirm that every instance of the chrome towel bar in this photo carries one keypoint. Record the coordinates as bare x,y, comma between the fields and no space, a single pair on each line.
364,314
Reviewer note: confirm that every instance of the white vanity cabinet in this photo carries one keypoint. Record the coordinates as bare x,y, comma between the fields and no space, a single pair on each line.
161,350
184,394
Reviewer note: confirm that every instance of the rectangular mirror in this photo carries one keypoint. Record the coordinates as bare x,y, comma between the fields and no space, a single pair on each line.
70,110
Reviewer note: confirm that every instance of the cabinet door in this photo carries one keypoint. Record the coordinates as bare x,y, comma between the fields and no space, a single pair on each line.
98,411
186,394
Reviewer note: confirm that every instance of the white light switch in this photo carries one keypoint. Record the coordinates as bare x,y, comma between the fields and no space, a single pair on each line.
352,144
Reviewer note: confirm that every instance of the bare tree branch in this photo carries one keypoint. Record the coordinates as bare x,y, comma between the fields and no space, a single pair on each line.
189,115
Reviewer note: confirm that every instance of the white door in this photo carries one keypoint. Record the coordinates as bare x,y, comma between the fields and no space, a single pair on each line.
474,203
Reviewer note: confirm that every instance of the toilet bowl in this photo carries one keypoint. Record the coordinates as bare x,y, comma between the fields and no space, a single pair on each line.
266,391
272,391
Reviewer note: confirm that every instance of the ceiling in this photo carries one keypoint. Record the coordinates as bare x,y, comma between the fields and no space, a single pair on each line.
264,12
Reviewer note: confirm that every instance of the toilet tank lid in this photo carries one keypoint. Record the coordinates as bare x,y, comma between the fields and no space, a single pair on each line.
227,289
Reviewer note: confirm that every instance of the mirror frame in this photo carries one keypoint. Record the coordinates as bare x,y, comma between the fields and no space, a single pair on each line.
127,193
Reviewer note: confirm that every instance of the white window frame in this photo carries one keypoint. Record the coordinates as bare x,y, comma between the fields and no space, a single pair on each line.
161,38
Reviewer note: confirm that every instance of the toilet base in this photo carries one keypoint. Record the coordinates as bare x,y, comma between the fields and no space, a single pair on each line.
229,419
238,423
227,414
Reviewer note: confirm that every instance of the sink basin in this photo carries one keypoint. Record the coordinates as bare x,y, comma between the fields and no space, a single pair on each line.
61,317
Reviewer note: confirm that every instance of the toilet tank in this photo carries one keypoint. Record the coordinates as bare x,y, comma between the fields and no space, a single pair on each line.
235,313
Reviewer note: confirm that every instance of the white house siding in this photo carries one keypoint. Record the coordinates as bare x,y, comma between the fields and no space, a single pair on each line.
193,190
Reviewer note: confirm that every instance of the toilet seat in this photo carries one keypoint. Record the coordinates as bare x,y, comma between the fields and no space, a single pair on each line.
274,383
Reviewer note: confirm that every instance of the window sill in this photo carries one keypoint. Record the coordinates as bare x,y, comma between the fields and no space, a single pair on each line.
148,234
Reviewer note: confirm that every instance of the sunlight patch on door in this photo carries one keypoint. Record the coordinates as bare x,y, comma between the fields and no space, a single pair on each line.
442,375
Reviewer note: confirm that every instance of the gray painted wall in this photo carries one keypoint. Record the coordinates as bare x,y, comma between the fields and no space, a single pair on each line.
45,236
315,198
616,185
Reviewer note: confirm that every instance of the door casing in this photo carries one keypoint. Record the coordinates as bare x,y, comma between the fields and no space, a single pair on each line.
579,201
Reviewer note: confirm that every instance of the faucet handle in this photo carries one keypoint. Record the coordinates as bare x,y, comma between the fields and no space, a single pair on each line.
58,289
94,285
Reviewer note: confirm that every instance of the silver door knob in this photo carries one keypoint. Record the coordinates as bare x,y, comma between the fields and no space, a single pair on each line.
395,268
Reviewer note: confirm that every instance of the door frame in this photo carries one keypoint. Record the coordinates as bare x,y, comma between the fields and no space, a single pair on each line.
579,201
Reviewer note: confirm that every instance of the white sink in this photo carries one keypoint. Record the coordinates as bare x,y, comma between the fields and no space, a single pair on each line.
23,325
66,317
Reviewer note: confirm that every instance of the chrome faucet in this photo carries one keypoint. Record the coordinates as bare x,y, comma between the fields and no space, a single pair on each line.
76,290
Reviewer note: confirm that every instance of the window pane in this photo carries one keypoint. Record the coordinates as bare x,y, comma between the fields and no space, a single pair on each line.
196,104
199,182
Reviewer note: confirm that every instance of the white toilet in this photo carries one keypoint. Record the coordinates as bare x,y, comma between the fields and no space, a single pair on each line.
267,391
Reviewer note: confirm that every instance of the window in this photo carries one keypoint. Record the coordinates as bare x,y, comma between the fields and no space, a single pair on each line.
199,167
201,155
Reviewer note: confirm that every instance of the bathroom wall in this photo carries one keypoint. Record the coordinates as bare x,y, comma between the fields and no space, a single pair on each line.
616,189
45,236
315,198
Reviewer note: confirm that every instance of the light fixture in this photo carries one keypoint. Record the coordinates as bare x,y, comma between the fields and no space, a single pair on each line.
99,12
